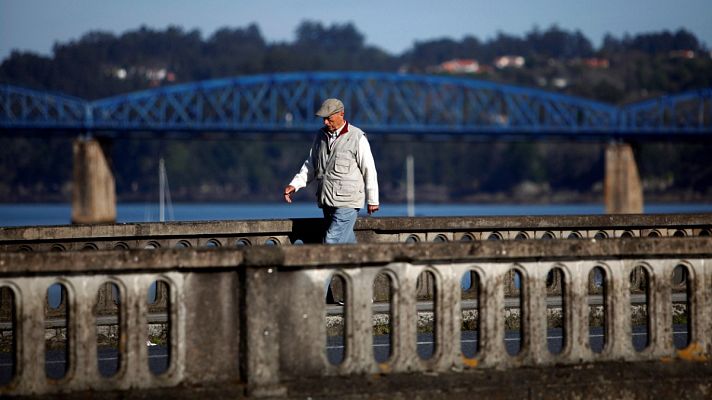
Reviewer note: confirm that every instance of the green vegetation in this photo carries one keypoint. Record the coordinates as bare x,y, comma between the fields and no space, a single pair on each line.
101,64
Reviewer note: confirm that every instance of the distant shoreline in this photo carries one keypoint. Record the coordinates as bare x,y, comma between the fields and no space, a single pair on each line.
552,198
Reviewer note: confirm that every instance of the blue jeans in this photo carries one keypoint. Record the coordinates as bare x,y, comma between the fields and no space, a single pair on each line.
341,225
341,230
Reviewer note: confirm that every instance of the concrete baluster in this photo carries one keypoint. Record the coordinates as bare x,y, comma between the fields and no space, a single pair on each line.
136,325
81,331
492,315
30,368
577,311
660,308
619,335
448,315
405,347
534,316
700,280
359,331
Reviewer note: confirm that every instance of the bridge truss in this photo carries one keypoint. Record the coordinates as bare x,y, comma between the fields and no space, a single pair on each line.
377,102
22,108
688,112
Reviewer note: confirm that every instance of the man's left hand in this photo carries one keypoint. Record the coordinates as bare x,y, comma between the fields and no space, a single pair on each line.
372,208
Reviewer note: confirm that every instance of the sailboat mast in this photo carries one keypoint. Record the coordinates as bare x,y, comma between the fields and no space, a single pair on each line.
162,189
410,185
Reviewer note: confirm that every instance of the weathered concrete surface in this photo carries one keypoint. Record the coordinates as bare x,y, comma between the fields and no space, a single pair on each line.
587,381
93,186
368,230
123,261
642,380
215,333
622,190
273,297
319,256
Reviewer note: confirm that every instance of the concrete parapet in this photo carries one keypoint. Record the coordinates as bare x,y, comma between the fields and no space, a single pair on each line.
234,234
255,318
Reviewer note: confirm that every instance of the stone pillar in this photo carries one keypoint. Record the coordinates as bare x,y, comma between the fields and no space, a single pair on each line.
622,189
93,187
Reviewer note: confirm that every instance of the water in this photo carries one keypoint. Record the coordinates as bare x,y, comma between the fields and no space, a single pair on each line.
60,214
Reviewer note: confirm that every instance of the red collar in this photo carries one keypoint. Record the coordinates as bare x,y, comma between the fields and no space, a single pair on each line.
343,131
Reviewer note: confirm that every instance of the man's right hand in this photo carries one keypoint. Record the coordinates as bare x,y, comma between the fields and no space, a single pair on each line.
288,191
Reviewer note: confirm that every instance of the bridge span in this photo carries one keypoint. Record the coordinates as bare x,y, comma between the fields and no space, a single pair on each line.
252,319
381,103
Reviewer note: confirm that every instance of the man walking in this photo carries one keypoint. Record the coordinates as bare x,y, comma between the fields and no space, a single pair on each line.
341,162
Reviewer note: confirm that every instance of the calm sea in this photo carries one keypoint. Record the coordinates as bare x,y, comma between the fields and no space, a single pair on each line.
60,214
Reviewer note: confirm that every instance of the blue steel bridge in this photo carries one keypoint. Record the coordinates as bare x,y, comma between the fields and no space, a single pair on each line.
376,101
271,337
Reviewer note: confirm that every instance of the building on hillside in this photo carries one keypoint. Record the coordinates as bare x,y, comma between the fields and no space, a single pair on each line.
153,75
459,66
509,62
591,62
688,54
596,63
559,82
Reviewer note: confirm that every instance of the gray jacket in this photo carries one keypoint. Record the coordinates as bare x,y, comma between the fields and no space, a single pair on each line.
340,182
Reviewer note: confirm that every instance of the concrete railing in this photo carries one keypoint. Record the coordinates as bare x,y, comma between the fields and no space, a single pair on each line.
257,316
368,230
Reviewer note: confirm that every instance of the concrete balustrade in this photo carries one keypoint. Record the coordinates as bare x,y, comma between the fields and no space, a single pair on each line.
254,317
368,230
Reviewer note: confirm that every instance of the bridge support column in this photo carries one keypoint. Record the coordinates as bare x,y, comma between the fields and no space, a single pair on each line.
622,190
93,186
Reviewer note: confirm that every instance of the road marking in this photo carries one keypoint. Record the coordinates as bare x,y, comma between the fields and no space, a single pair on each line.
101,359
515,339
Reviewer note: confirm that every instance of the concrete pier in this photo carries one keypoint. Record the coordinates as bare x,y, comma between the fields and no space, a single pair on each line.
622,191
93,187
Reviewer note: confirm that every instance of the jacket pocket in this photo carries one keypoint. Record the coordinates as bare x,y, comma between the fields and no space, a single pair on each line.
342,165
345,189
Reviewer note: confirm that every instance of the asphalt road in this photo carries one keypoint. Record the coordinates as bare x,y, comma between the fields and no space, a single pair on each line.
108,364
470,343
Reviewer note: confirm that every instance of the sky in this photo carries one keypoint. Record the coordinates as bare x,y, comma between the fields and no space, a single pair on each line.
35,25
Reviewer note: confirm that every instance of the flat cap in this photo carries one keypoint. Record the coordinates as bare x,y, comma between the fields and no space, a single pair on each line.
330,107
